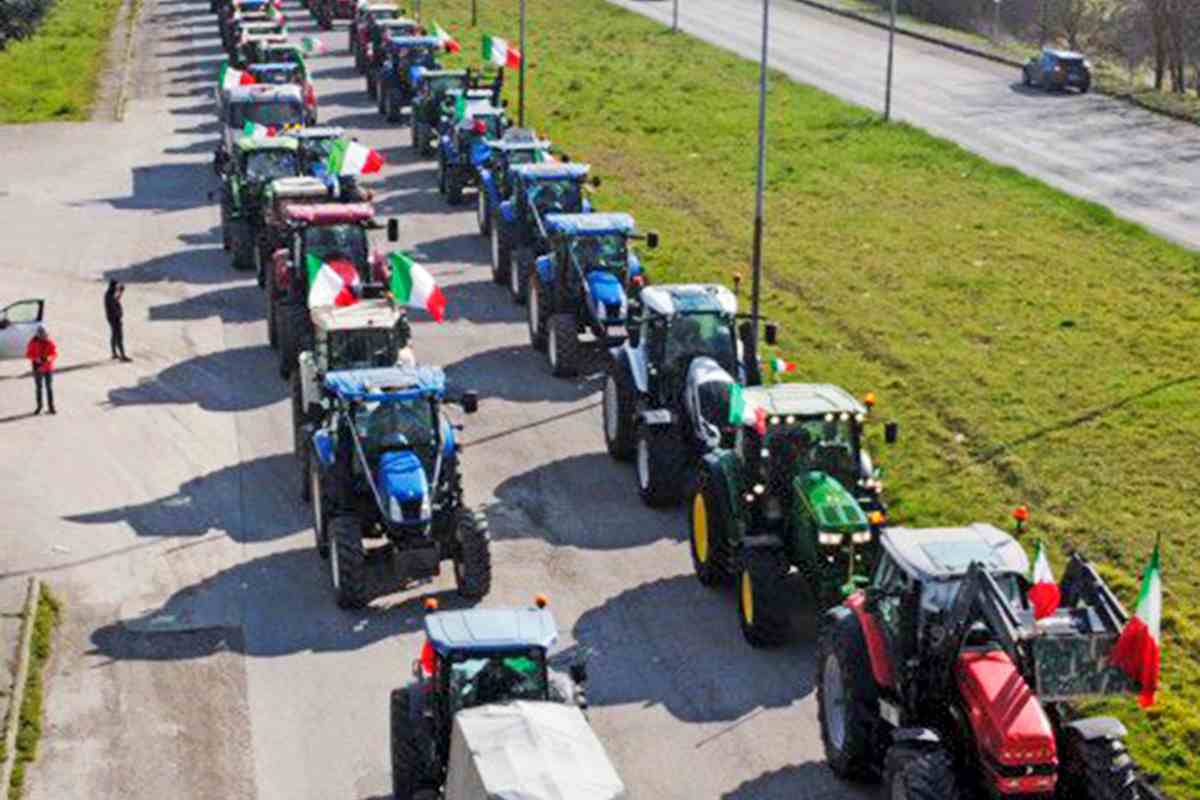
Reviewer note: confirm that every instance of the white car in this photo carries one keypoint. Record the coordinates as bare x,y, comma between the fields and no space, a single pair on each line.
18,323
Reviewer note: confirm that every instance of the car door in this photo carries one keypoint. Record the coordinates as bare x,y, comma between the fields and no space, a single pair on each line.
18,323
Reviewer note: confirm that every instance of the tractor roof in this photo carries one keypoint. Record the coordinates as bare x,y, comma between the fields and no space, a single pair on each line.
589,224
804,399
380,8
265,93
554,171
519,146
331,213
442,73
398,22
299,186
491,629
939,553
319,133
409,42
682,298
274,66
266,29
254,144
370,313
386,383
1069,55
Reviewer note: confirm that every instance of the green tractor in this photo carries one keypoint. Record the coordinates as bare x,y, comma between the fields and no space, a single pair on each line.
256,163
794,488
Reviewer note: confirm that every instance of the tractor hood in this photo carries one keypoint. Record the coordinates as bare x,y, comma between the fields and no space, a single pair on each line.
832,508
403,487
607,296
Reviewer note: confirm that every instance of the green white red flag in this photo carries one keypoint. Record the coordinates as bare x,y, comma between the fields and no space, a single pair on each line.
780,365
1044,594
229,77
253,129
351,158
448,42
1138,652
742,413
500,52
331,283
412,285
312,45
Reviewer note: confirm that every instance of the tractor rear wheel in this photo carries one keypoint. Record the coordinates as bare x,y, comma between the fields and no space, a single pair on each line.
412,748
395,108
262,260
272,323
619,405
473,557
919,773
501,252
1099,769
762,603
535,315
294,319
519,274
454,187
483,211
710,521
320,520
372,89
416,134
563,348
847,698
347,562
661,460
243,248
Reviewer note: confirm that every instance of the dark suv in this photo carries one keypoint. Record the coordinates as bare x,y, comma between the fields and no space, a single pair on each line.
1058,69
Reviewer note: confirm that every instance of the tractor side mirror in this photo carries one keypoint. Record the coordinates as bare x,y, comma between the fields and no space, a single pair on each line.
504,103
578,672
652,240
393,229
470,402
772,333
891,432
596,181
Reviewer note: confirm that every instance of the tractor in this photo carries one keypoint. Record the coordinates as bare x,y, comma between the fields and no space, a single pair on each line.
518,228
247,36
583,285
285,73
679,335
329,233
429,92
357,32
384,463
236,18
315,146
396,76
275,231
379,33
516,147
256,162
785,481
484,678
937,676
326,11
276,107
463,143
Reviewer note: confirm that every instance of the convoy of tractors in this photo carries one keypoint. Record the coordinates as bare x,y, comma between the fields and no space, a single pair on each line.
932,672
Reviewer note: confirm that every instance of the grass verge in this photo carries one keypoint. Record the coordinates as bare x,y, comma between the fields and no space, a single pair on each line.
1036,348
30,730
53,75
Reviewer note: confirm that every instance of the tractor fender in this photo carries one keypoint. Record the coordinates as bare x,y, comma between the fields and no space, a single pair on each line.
881,661
722,466
449,443
323,447
635,264
487,183
545,270
919,737
506,212
635,361
1092,728
625,363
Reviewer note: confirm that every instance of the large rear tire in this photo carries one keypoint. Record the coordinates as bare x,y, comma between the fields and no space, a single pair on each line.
372,89
454,187
242,257
618,407
847,698
913,773
347,562
317,499
291,337
272,322
483,211
395,110
762,601
535,316
1098,769
661,461
519,273
473,561
501,253
710,522
563,348
412,748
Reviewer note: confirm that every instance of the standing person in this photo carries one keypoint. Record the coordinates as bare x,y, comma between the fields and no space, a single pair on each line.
115,315
41,353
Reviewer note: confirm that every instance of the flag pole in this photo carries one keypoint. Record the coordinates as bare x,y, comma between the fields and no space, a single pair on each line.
521,77
756,256
887,102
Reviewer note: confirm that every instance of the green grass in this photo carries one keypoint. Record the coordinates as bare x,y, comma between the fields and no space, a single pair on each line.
1035,348
53,75
30,730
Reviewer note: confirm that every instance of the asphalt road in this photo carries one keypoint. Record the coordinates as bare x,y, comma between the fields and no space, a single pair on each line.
1143,166
203,655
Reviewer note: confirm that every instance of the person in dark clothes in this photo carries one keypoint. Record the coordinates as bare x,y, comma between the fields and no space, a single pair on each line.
41,353
115,315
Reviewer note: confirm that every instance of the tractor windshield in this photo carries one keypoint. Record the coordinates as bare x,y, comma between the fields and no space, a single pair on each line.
314,150
556,197
270,115
266,165
607,253
397,425
526,156
440,84
497,679
363,348
347,242
828,445
282,55
701,334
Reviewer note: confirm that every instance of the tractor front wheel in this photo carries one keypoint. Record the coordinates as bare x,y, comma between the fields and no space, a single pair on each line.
416,135
473,559
618,407
1100,769
372,89
710,521
412,748
518,275
454,187
295,317
501,253
483,211
762,602
914,773
661,462
394,107
563,348
347,562
320,521
535,316
243,248
847,698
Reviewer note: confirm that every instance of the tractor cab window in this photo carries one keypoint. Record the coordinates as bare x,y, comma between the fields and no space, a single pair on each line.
555,197
362,349
701,334
332,242
314,150
525,156
281,55
606,253
396,425
492,129
266,165
440,84
270,115
494,679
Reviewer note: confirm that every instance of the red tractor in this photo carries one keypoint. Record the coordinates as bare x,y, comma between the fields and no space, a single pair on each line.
937,676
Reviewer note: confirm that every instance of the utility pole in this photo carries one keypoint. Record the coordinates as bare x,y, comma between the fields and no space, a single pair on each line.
996,21
474,13
756,256
521,80
675,16
887,100
418,10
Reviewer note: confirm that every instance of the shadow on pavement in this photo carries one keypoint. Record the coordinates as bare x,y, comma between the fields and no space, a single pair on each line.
242,303
190,265
517,374
164,188
214,382
675,644
812,780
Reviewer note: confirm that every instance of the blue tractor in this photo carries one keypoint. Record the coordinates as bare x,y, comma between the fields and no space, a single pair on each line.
516,147
519,232
465,130
396,78
584,285
384,464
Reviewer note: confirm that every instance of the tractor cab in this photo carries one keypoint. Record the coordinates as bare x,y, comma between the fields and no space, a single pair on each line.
247,36
315,146
517,147
275,52
430,87
407,52
332,232
682,323
271,107
276,74
379,34
261,160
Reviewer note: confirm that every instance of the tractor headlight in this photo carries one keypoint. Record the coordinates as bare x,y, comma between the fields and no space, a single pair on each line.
427,508
829,539
862,537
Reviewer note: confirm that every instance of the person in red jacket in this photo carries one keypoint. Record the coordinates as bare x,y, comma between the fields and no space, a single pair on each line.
41,353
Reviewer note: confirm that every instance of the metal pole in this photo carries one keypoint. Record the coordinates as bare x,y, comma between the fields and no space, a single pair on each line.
418,10
521,81
675,16
474,13
756,256
887,101
996,21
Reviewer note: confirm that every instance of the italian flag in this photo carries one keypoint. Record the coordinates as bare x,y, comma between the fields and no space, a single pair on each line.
229,77
1137,651
1043,592
351,158
500,52
312,45
740,412
331,283
253,129
412,285
460,107
446,40
779,365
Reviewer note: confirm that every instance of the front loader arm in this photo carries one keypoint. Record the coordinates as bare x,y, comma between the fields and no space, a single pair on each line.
1081,582
979,599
